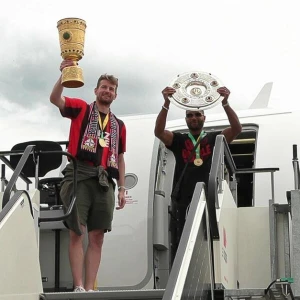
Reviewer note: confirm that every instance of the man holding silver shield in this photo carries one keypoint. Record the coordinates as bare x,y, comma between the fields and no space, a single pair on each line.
182,145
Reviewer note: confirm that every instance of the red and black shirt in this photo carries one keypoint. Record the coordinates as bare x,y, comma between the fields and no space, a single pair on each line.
78,111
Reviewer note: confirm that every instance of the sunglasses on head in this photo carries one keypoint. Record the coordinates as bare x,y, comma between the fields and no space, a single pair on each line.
197,114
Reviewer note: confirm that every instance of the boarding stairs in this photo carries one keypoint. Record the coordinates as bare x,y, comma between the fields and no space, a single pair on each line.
205,266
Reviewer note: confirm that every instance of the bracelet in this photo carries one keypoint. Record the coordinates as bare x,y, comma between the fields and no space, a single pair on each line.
226,104
165,108
121,187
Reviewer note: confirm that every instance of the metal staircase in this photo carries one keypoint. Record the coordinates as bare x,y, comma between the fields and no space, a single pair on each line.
196,271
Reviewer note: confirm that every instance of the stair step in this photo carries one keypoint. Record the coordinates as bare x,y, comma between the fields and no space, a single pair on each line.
109,295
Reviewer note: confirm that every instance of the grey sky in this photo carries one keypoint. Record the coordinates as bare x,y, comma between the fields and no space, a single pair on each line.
146,44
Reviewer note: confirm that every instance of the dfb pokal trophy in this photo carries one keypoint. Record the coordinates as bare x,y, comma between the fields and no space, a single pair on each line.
196,90
71,38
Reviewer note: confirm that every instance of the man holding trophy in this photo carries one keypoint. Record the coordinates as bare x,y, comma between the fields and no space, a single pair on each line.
98,141
191,92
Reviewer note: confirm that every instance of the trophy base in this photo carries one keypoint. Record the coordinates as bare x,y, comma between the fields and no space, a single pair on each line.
72,77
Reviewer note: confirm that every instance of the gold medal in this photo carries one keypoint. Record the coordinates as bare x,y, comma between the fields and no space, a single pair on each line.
102,143
198,162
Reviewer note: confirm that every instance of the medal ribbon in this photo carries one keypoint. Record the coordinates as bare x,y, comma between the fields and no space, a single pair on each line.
197,151
102,126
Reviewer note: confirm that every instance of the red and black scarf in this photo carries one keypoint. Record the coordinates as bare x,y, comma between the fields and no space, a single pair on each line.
90,148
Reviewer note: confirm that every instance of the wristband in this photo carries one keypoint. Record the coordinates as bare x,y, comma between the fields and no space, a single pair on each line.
121,187
226,104
165,108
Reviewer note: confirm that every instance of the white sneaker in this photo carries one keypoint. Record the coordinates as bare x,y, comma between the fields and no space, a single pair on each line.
89,291
79,289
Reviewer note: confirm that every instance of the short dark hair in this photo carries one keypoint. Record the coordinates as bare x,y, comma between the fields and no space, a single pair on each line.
111,78
200,110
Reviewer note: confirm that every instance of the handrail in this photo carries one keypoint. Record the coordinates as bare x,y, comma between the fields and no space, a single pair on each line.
295,163
73,200
7,162
18,152
29,149
188,244
231,163
16,174
221,148
12,202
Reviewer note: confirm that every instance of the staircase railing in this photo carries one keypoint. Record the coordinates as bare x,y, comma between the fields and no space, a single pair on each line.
295,163
30,149
192,275
221,152
12,202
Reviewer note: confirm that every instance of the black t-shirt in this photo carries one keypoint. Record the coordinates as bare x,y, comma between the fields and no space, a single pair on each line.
181,147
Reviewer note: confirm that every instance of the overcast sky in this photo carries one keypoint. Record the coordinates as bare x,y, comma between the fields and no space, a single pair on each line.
146,44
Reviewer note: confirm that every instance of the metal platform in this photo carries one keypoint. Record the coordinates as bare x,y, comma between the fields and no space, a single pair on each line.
111,295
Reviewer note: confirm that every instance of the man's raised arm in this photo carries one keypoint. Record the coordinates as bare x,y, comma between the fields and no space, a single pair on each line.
56,95
164,135
235,128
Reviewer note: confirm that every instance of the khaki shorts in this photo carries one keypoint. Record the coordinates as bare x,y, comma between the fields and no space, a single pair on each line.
94,206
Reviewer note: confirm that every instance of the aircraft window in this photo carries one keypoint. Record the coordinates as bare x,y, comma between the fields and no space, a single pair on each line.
130,181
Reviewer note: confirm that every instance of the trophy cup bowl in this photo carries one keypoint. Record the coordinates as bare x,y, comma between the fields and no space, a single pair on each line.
71,38
196,90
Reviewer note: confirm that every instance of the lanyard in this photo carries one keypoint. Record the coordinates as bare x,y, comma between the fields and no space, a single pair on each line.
102,126
197,151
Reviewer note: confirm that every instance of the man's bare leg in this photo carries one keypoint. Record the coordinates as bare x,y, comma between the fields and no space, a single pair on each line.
93,257
76,256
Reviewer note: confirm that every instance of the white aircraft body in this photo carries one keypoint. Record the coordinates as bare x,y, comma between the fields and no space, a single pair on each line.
247,253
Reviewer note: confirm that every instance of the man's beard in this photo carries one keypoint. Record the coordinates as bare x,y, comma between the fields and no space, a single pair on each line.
102,100
195,126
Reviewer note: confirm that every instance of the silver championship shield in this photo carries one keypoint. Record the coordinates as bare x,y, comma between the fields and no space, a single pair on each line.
196,90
